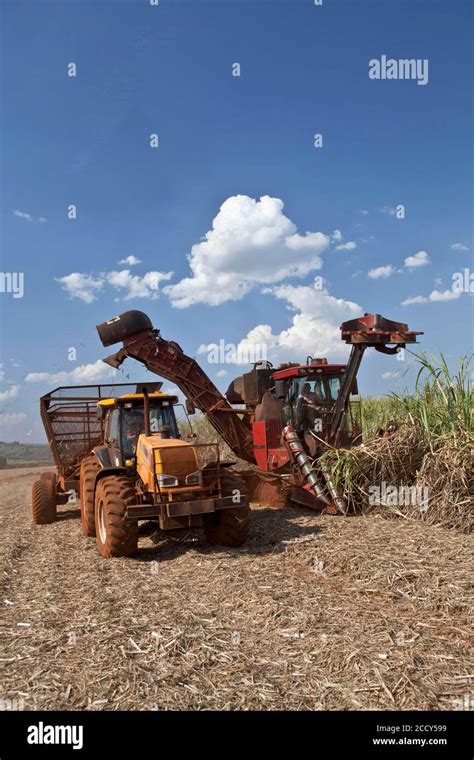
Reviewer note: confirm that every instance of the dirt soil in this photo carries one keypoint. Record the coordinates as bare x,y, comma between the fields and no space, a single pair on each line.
313,613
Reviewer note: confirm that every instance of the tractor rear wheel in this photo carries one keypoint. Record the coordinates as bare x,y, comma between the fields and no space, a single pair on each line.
48,475
44,501
229,526
115,536
89,469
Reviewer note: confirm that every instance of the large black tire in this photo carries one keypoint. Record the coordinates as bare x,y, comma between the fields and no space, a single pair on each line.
48,475
229,526
89,469
44,501
115,537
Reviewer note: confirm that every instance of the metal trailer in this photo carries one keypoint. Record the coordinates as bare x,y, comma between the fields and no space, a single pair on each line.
73,428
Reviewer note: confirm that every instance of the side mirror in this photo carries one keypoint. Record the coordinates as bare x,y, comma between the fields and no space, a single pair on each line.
191,436
190,408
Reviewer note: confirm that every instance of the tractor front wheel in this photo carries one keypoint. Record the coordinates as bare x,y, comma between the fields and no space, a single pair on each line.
114,535
44,501
229,526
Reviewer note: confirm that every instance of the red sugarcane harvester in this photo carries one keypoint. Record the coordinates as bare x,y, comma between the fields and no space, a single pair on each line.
280,419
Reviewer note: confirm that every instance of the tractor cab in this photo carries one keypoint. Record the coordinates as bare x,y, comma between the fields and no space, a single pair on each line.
124,420
152,450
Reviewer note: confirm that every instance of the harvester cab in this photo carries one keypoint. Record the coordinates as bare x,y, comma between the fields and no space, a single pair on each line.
309,394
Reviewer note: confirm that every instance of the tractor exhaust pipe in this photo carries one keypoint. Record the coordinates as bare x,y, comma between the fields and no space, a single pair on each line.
146,411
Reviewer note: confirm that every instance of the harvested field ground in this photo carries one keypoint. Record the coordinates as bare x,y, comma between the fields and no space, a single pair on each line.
313,613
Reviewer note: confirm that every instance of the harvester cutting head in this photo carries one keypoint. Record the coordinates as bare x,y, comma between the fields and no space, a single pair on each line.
374,330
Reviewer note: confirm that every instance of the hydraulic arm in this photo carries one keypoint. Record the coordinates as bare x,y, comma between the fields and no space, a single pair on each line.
145,344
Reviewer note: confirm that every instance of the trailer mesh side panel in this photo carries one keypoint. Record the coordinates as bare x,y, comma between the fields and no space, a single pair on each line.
75,429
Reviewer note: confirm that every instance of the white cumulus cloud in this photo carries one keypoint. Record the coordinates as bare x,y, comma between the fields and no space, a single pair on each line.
83,286
147,286
12,392
130,261
28,217
23,215
87,286
443,295
251,242
381,272
459,247
349,246
83,374
434,296
420,259
314,327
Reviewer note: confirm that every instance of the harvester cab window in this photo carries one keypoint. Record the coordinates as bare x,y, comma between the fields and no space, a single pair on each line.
310,399
311,394
334,386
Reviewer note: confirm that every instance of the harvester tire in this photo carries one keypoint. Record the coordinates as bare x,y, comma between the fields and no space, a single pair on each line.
115,537
229,526
89,469
47,475
44,501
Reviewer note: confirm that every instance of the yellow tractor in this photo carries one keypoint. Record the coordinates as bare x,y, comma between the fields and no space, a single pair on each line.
144,470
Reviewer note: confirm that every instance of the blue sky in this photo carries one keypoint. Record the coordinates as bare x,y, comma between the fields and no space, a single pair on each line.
223,139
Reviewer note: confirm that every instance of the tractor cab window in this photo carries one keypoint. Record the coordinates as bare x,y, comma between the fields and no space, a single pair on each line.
113,427
163,416
133,424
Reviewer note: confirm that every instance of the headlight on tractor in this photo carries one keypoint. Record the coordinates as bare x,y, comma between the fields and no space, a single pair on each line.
194,479
167,481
